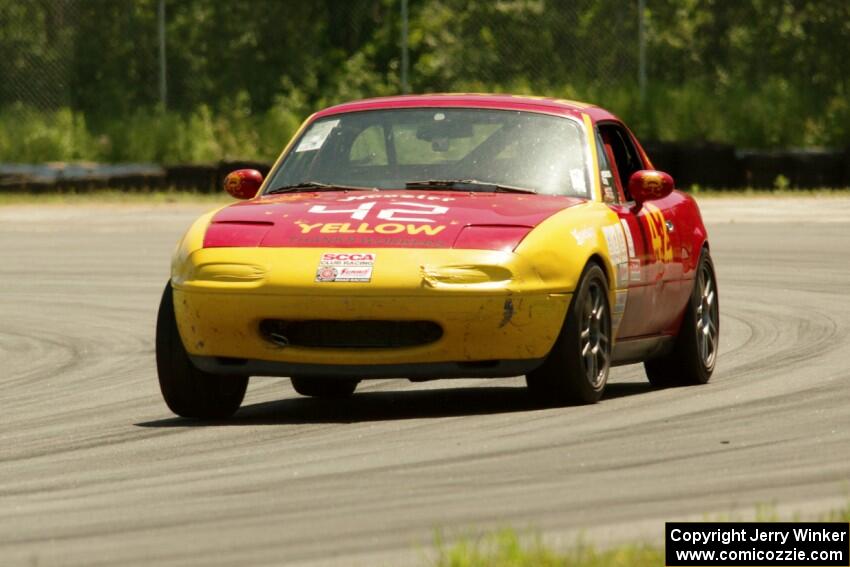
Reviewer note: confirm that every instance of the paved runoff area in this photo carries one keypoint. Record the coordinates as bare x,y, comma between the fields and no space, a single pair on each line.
94,469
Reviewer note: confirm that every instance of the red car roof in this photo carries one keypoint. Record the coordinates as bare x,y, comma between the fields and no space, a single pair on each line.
497,101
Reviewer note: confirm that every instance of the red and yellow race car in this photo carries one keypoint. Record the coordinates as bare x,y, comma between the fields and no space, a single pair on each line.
442,236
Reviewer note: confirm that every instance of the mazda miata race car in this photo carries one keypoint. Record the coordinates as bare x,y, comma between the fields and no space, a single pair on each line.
442,236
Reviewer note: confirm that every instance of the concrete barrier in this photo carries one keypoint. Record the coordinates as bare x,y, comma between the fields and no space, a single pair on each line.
708,165
803,169
846,181
721,166
663,156
192,177
60,176
819,168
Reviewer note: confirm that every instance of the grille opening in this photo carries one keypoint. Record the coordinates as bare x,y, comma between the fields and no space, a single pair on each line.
350,334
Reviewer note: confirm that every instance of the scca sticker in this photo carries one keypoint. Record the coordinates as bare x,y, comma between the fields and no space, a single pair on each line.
345,267
347,258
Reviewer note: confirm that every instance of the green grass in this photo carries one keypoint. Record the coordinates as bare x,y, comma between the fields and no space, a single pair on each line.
840,515
113,197
118,197
507,548
751,192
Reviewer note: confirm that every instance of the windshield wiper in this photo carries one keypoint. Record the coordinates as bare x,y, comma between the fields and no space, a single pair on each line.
316,186
466,185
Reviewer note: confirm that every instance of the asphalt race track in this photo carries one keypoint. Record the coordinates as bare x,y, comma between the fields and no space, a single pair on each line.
95,470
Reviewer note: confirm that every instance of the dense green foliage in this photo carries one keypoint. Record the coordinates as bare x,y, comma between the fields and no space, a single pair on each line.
81,76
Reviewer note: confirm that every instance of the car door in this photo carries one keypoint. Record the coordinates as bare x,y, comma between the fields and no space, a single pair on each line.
654,247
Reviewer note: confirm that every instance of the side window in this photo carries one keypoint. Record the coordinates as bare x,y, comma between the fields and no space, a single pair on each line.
369,147
625,154
606,175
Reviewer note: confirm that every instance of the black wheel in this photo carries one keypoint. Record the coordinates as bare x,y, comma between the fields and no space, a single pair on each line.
695,351
189,392
576,370
327,388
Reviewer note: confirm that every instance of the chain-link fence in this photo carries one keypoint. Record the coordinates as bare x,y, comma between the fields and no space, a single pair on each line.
105,56
36,42
239,75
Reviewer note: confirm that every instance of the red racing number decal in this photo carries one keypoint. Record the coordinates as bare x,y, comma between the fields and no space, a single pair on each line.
662,248
408,212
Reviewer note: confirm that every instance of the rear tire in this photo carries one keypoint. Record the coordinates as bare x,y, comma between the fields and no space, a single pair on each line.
187,391
576,370
325,388
694,353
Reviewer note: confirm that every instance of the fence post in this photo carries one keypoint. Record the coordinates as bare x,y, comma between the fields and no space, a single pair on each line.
641,53
163,85
404,56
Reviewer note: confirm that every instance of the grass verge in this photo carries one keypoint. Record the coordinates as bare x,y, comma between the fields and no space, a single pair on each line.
113,197
751,192
118,197
507,548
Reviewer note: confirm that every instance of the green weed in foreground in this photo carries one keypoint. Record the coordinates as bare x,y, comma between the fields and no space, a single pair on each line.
841,515
506,548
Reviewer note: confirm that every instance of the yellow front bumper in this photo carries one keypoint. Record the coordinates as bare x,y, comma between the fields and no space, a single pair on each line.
491,305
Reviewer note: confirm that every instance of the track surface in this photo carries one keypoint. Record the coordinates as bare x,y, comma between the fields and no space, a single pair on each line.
95,470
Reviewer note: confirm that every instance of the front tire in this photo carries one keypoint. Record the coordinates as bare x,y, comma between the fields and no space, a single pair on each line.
576,370
187,391
694,353
325,388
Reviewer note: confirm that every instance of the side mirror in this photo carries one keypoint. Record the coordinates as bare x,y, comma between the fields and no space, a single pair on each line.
648,185
243,183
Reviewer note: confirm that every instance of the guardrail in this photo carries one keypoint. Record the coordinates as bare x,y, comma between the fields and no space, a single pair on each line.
708,165
49,177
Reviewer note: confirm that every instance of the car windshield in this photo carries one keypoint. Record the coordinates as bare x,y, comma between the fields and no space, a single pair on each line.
439,149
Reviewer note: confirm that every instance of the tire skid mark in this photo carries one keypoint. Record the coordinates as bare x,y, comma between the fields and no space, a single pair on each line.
79,472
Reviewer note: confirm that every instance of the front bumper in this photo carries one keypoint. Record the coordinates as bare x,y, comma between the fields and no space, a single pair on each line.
491,306
414,371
